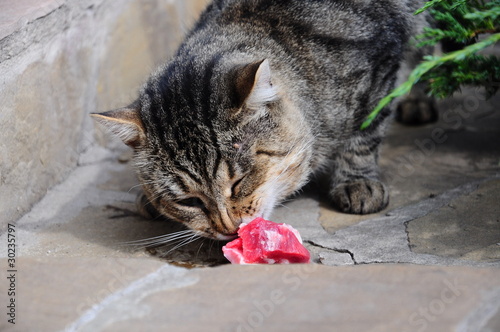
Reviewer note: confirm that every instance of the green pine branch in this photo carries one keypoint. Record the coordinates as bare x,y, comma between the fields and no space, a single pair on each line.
462,22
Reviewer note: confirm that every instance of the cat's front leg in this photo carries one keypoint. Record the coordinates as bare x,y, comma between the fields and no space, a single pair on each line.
356,187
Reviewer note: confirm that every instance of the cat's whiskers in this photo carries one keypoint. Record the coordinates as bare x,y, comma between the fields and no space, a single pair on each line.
143,183
159,241
210,247
258,203
283,206
162,239
201,245
163,236
187,241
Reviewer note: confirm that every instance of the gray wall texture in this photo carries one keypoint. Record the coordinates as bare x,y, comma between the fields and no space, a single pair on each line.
61,60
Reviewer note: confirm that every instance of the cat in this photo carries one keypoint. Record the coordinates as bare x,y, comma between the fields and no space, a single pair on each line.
261,96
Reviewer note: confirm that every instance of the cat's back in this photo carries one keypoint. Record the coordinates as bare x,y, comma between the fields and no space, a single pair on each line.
301,32
305,15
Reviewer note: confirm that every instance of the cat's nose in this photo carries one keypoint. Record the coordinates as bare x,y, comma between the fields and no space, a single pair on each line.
229,224
229,230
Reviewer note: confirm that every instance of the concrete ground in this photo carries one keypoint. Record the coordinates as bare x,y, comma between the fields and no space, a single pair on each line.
429,262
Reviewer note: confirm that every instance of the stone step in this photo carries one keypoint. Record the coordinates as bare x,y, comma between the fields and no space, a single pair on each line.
117,294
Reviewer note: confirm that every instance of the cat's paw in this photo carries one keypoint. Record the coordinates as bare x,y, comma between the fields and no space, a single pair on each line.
145,208
360,196
416,111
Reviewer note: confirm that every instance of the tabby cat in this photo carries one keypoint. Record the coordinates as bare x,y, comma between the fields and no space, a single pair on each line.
260,96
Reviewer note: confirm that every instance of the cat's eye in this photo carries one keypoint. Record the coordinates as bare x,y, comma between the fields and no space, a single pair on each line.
236,186
192,202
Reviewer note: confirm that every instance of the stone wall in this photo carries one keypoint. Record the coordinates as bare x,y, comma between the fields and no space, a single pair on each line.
59,61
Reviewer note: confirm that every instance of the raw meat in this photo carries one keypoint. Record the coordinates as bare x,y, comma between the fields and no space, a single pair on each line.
265,242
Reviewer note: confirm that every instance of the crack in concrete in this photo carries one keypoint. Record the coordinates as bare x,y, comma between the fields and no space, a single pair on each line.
406,223
345,251
341,251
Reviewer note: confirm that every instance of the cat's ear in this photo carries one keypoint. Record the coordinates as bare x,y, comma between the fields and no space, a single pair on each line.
124,122
255,86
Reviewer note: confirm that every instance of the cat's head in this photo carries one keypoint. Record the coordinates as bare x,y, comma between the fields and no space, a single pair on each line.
215,146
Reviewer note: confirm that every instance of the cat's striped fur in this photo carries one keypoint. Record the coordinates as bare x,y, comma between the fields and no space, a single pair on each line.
261,95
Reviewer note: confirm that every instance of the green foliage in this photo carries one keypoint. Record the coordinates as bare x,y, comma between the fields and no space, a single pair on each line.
476,70
459,22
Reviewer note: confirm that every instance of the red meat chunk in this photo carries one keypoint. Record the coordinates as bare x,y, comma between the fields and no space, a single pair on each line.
265,242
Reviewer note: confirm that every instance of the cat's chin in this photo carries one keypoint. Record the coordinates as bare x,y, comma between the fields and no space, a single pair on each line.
223,237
